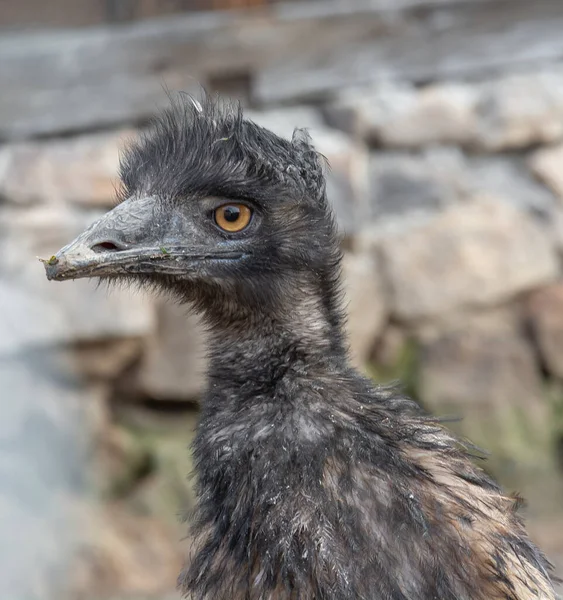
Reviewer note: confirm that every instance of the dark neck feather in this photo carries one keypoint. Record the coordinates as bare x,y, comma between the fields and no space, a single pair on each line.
274,339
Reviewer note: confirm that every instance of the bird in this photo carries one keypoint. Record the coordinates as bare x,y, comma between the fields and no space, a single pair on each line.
313,482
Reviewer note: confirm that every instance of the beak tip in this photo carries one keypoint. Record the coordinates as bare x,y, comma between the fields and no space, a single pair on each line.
51,276
50,272
53,268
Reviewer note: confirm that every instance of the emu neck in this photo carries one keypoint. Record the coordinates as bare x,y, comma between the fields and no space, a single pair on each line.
268,388
267,344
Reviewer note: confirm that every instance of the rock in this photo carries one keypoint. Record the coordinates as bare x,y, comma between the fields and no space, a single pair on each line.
304,50
173,366
416,41
39,312
347,175
123,553
106,359
545,314
547,164
169,490
367,305
511,111
394,360
474,254
508,179
520,110
284,121
481,367
545,531
390,347
143,458
80,169
119,461
48,426
143,467
439,176
401,183
401,115
555,229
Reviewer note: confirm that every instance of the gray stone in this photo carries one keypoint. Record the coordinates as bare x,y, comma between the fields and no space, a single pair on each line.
284,121
347,177
545,315
555,229
517,111
35,311
445,40
292,52
171,489
439,176
123,553
390,348
49,421
474,254
106,359
366,302
79,169
173,366
401,115
480,367
547,164
511,111
402,183
509,179
123,69
117,459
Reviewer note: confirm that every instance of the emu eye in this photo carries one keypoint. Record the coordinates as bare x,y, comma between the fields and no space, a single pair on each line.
233,217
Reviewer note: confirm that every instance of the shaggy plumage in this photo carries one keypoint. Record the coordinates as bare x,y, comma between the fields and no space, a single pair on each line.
313,483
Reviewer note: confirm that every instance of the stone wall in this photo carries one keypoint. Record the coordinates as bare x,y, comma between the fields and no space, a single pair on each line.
443,125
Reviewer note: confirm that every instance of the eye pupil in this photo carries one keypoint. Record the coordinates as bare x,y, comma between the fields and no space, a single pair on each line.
233,217
231,213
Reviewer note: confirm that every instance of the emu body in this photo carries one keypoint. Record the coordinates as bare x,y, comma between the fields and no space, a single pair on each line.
313,484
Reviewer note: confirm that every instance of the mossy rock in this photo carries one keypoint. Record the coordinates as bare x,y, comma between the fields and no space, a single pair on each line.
120,462
501,407
161,484
401,368
168,493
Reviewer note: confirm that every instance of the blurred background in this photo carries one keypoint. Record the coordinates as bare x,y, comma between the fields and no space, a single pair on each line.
443,124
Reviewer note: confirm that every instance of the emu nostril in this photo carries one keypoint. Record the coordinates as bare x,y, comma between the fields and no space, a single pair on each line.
106,247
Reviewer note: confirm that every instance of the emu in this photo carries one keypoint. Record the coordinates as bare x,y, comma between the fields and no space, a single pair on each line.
313,483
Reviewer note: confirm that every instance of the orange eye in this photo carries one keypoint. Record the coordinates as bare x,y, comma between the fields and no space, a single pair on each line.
233,217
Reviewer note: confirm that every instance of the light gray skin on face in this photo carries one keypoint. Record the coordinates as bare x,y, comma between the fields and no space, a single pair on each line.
137,237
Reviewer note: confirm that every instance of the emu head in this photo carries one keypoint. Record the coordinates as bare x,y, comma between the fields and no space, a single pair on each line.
217,210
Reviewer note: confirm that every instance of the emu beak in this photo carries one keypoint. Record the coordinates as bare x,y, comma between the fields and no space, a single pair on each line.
136,237
125,240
